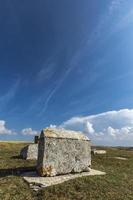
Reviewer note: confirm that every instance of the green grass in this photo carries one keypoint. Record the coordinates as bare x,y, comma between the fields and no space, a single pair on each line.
13,187
116,185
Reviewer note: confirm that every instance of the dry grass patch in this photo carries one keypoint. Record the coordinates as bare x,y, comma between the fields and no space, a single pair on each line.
116,185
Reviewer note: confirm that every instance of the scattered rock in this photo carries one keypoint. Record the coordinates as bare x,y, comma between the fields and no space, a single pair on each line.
120,158
95,151
29,152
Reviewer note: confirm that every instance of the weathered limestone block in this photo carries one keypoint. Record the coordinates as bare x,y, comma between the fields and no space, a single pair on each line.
61,152
30,152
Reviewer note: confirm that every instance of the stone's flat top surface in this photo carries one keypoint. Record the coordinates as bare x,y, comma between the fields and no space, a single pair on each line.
63,133
33,178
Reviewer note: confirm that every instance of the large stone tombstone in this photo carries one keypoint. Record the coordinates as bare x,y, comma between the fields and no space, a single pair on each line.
61,151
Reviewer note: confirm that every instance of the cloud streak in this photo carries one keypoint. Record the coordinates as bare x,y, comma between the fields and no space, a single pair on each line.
111,21
96,37
69,68
46,72
115,5
6,98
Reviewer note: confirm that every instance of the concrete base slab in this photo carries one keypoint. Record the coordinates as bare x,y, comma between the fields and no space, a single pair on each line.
37,182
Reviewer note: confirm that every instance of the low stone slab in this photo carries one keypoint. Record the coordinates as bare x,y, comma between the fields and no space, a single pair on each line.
29,152
36,182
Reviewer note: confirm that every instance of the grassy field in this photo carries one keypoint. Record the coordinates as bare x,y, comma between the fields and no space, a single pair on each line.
116,185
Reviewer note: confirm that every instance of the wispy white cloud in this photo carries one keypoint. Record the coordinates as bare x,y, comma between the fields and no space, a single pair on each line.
110,22
28,131
48,67
109,128
4,130
6,98
46,72
115,5
125,21
115,18
106,27
58,84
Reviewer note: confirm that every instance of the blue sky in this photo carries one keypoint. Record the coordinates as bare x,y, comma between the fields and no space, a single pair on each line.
63,59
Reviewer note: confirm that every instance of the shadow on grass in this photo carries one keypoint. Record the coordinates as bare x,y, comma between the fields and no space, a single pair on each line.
16,157
16,171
